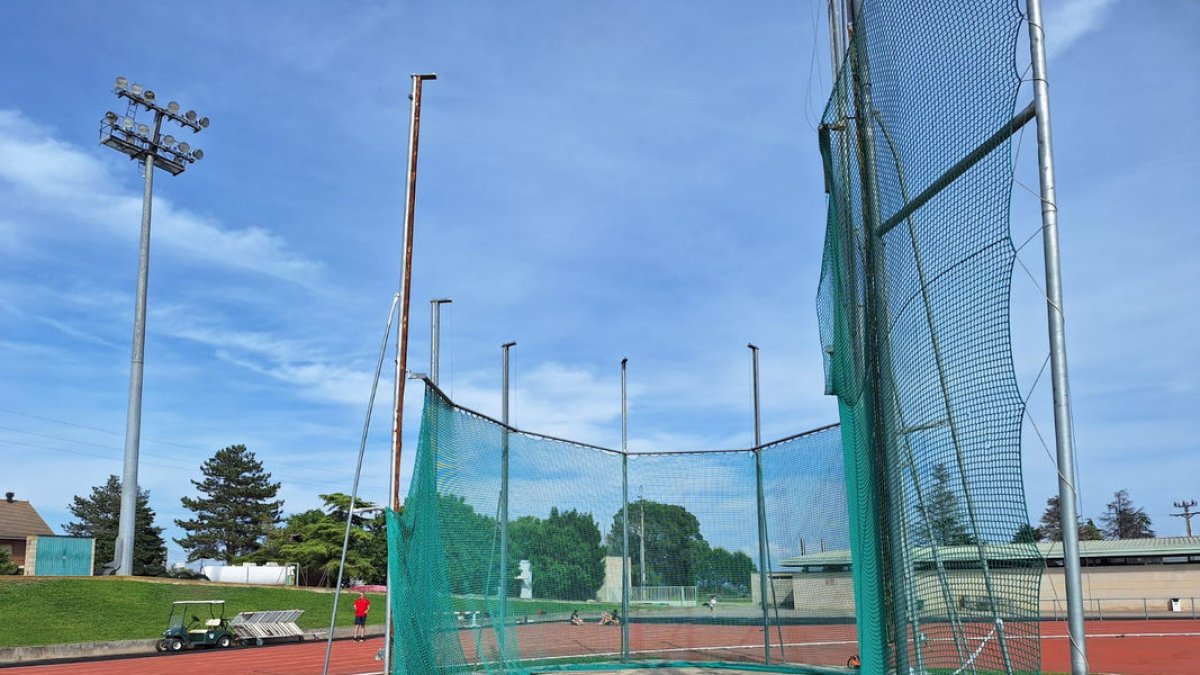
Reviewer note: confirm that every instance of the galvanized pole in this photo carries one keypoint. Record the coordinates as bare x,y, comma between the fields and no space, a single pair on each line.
763,572
1063,434
642,535
625,580
410,201
503,590
126,530
435,336
362,448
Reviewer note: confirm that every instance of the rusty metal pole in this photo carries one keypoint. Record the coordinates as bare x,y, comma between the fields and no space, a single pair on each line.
410,202
402,336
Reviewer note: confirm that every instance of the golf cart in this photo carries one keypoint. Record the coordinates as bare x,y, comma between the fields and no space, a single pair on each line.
196,623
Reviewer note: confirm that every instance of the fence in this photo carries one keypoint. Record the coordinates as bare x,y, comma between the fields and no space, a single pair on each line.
678,596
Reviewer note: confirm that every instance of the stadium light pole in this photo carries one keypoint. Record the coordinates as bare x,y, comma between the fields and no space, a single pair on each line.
435,335
145,143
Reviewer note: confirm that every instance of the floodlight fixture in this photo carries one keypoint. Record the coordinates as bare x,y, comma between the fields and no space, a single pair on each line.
173,107
168,140
184,147
190,115
143,130
149,95
127,123
110,118
204,122
198,153
122,83
137,89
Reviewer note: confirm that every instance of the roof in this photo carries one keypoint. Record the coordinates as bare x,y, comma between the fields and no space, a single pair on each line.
1119,548
18,520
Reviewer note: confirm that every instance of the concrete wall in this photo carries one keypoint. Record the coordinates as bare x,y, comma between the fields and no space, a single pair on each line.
610,591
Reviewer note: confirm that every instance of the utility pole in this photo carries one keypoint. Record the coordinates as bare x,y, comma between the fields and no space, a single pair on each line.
144,143
1187,514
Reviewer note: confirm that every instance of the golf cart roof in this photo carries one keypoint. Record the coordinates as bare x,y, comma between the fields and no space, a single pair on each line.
198,602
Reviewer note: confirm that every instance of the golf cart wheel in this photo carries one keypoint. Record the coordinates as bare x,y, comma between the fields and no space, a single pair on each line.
224,642
160,646
174,645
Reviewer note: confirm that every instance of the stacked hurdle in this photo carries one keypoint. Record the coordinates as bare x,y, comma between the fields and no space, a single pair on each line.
271,625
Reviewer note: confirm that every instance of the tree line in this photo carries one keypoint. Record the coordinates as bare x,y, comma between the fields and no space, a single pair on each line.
237,518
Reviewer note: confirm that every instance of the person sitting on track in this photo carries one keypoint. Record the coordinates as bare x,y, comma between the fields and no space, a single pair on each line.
610,618
576,620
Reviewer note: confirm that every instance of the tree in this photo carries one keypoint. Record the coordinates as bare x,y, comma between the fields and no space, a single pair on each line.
1123,521
237,510
1026,534
1090,532
1051,523
565,553
670,532
99,517
718,571
313,539
7,566
945,513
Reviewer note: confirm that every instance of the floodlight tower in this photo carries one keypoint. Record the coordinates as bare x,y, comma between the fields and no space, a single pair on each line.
143,142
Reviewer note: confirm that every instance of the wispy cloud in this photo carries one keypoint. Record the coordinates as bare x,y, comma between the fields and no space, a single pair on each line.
45,174
1067,21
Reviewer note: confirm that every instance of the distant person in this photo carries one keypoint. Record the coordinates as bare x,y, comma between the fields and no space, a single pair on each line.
576,620
712,603
361,607
612,618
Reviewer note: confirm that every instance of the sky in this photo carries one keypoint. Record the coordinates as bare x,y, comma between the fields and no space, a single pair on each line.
597,182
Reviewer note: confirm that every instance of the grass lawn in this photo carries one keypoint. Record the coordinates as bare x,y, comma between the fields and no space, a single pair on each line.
49,610
53,610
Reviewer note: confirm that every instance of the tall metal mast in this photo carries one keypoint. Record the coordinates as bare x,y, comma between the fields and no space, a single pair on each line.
410,201
1058,345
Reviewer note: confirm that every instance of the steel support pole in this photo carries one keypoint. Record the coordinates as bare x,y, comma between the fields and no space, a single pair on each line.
362,449
1063,435
127,524
503,589
435,336
625,590
763,572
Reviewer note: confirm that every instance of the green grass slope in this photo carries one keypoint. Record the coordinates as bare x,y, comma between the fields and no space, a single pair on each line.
57,610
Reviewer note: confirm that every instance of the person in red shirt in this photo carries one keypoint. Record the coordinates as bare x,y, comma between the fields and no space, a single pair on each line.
361,606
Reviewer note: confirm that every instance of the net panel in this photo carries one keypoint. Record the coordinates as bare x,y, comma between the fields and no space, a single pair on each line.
644,558
915,331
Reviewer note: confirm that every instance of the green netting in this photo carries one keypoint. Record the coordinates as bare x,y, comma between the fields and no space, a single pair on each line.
915,329
693,593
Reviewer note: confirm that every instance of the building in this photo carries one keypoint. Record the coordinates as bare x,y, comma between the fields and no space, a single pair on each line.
34,547
19,521
1127,577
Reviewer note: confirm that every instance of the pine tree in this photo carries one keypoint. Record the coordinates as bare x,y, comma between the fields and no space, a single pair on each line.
1051,523
1123,521
99,517
236,510
945,512
1089,532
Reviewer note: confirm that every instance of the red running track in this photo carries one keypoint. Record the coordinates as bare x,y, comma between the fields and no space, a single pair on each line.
1167,647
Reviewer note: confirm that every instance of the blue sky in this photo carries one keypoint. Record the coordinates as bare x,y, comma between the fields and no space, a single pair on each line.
629,180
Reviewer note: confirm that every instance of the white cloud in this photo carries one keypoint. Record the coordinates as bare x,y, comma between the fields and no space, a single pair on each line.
1066,21
50,175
